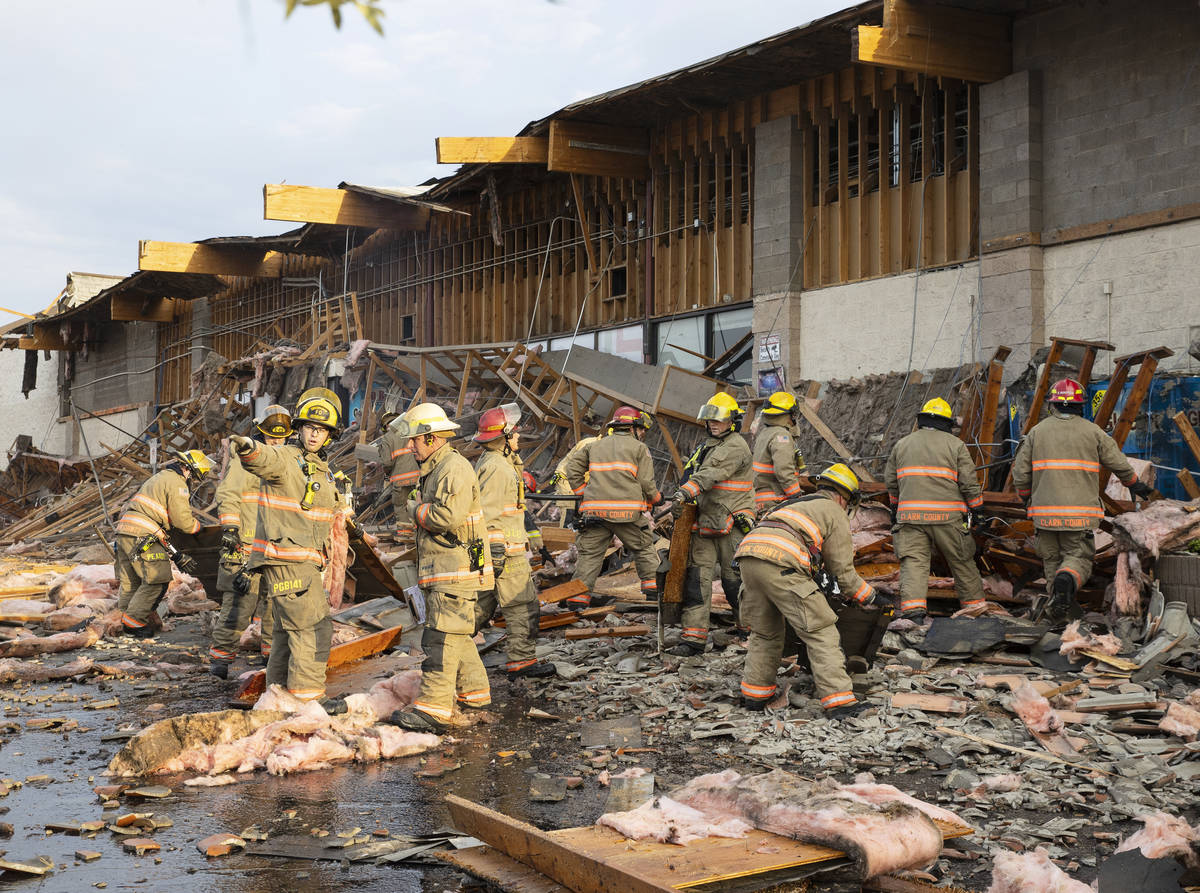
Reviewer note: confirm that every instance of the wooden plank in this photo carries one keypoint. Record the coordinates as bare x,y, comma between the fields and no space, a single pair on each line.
1188,482
128,309
562,592
537,849
347,652
991,407
681,540
566,618
605,632
500,870
23,591
830,438
937,41
931,703
558,538
1190,437
218,260
1137,394
598,149
492,149
314,204
1037,755
581,216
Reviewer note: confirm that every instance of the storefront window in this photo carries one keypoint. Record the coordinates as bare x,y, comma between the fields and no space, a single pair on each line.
728,329
626,342
676,337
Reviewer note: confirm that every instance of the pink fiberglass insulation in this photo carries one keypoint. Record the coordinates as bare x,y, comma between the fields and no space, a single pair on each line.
59,642
1193,699
396,742
1164,835
1034,710
1181,720
65,618
25,606
209,781
998,784
1031,873
251,637
387,695
668,821
19,671
1074,641
318,751
1164,522
881,828
1127,596
84,581
337,548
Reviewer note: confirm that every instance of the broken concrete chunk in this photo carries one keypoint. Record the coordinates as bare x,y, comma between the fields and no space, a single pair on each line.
140,846
87,855
220,844
150,792
544,789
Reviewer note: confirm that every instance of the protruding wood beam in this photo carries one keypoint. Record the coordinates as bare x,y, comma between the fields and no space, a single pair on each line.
130,309
938,41
599,149
341,207
492,149
45,338
219,260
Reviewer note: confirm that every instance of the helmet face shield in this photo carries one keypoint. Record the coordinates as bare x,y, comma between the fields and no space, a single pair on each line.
710,413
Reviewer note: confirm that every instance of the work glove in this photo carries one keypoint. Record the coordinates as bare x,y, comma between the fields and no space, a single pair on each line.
880,600
676,508
547,555
1140,489
499,558
241,582
974,519
657,500
241,445
186,564
231,541
892,514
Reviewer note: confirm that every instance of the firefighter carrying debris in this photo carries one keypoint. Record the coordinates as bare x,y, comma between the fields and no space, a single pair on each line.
143,551
717,478
1057,473
796,556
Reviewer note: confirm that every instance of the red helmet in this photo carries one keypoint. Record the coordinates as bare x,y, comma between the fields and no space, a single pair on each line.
1067,391
530,482
498,422
627,416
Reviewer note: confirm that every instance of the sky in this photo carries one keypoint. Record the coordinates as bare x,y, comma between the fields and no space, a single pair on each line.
144,119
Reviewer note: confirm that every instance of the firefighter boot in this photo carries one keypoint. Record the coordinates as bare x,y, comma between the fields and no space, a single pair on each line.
1062,598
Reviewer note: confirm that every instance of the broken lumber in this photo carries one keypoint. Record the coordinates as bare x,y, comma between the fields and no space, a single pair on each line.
1050,758
596,632
562,592
1118,703
930,703
347,652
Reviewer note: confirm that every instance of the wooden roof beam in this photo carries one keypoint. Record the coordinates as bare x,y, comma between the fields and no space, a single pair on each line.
45,338
937,41
341,207
128,308
218,260
492,149
599,150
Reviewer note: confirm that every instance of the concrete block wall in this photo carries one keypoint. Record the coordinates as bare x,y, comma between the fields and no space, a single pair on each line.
866,327
119,368
1012,305
1154,299
1121,128
1010,156
778,208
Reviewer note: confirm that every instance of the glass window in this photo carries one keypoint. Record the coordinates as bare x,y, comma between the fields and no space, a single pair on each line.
586,339
626,342
676,337
728,329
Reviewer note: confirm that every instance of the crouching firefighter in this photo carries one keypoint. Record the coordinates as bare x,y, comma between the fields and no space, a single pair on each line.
297,504
717,479
1056,472
143,550
796,555
502,497
615,474
935,499
242,598
453,564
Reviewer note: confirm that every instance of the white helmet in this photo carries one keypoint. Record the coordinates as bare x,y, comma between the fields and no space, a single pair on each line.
425,418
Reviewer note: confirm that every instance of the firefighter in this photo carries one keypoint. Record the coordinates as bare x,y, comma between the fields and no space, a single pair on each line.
143,551
717,479
537,544
935,496
237,509
403,472
615,475
453,564
1057,473
297,504
502,495
789,562
778,463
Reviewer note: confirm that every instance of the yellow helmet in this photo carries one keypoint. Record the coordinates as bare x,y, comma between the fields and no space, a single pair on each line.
425,418
197,461
841,477
720,407
275,421
320,411
937,407
780,403
324,393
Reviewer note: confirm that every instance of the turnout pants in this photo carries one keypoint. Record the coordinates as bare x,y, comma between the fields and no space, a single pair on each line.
914,545
772,600
1069,551
143,577
303,630
452,669
237,612
517,599
592,542
709,554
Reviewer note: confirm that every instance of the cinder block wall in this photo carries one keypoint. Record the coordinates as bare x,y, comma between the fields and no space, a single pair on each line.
1121,123
118,370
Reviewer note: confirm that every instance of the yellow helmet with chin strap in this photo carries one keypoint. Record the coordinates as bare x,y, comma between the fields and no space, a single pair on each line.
196,461
845,481
720,407
319,411
780,403
275,421
322,393
936,407
425,418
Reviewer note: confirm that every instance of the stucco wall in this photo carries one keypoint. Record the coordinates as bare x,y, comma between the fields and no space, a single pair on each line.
33,416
